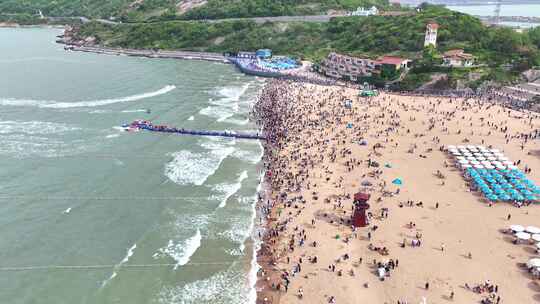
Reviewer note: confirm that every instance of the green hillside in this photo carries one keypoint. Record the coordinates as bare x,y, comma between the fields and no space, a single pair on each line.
143,10
220,9
366,36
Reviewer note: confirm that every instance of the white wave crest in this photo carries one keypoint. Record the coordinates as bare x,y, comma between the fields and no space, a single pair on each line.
181,252
194,168
34,127
225,287
191,118
129,253
91,103
228,190
225,107
134,111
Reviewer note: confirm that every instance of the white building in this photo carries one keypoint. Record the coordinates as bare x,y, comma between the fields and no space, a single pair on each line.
431,34
360,11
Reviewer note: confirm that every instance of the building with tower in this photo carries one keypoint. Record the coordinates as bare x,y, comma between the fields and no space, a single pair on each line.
431,34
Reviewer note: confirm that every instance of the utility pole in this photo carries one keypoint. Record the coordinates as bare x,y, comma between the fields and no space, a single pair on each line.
498,12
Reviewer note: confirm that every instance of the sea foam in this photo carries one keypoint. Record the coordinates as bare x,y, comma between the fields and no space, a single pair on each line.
194,168
34,127
90,103
226,287
129,253
228,190
181,252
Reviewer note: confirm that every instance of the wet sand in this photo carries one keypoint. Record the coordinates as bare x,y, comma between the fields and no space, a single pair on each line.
315,164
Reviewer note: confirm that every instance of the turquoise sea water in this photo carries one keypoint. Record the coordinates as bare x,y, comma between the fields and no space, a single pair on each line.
144,218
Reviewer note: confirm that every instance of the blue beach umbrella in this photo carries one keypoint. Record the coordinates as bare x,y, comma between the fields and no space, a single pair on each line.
504,197
492,197
526,192
531,197
397,181
518,198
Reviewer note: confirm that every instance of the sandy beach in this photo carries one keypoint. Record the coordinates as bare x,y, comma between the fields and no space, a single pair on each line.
315,163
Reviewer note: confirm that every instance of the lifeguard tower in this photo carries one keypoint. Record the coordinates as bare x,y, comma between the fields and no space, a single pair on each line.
359,218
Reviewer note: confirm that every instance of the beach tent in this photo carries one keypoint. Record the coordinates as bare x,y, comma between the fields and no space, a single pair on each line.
397,181
532,229
523,236
368,93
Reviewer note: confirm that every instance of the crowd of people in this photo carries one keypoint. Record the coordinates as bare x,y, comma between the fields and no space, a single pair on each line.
309,161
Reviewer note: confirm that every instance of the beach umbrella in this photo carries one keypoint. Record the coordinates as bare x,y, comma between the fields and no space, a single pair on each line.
531,197
536,237
520,186
461,147
460,157
451,147
537,246
492,197
492,158
466,166
475,162
517,228
467,154
507,162
526,192
518,197
471,147
478,166
523,236
463,161
480,158
470,158
397,181
494,150
456,153
533,230
485,162
504,197
489,167
481,147
533,263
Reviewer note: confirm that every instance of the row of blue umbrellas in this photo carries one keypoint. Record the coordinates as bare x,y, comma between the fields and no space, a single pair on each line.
504,185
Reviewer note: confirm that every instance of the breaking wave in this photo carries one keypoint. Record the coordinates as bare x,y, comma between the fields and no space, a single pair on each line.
181,252
129,253
228,190
91,103
34,127
195,167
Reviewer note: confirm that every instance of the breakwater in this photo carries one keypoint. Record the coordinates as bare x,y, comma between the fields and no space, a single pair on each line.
206,56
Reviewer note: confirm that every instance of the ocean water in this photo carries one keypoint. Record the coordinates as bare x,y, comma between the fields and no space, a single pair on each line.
92,214
525,10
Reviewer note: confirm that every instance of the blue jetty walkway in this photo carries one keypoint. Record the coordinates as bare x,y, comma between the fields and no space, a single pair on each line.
146,125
